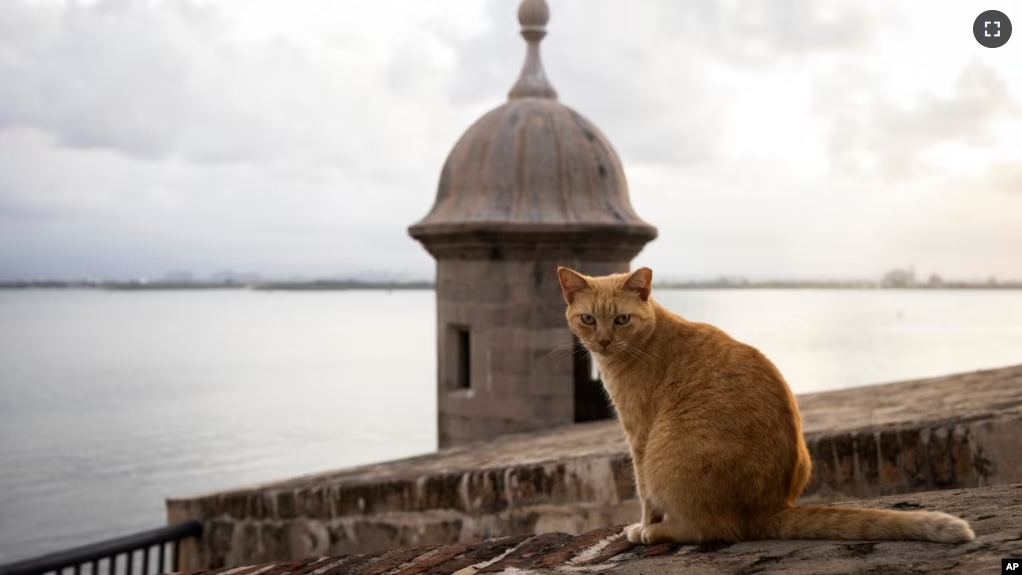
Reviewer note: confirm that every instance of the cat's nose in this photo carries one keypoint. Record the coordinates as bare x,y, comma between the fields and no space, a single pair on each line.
604,341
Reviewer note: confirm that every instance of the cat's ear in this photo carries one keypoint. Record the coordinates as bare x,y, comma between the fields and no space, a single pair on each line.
572,282
640,282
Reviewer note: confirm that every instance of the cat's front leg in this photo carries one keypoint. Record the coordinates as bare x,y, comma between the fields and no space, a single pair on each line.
649,516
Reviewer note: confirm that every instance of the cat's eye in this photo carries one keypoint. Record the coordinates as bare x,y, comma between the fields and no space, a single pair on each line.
587,319
622,319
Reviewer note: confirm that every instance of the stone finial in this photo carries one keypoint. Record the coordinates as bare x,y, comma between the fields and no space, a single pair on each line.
533,15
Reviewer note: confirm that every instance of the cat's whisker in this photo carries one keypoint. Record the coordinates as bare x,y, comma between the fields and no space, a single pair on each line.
648,360
571,347
576,351
651,361
563,348
641,358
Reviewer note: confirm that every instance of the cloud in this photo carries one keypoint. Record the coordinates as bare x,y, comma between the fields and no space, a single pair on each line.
644,72
892,140
69,73
165,80
967,224
755,33
131,119
137,137
1001,179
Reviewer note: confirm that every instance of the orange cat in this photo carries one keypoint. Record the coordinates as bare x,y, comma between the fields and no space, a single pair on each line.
714,430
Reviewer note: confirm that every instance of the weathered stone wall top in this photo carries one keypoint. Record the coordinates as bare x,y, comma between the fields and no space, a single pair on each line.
995,514
581,440
955,398
952,432
988,394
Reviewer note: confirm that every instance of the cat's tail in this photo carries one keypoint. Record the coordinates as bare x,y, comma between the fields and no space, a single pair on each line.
814,522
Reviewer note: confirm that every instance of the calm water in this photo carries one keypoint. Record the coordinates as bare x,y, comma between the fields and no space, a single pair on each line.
112,401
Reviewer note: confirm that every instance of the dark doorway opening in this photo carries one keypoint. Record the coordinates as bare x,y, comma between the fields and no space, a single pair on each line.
591,401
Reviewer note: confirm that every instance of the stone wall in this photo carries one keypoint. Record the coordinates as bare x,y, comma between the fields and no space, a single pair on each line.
995,514
957,431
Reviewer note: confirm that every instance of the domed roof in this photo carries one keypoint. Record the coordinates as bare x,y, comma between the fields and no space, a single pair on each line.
533,165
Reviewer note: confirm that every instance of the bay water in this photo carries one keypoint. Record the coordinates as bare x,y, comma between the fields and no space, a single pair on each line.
112,401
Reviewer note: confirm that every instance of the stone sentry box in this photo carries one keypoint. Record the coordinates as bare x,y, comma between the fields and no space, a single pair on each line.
530,186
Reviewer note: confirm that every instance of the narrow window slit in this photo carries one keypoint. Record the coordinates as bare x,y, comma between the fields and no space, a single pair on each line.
461,340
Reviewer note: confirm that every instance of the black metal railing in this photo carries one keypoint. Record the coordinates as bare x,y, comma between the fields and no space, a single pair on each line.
157,549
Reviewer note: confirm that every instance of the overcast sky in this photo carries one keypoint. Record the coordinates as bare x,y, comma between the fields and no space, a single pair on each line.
764,138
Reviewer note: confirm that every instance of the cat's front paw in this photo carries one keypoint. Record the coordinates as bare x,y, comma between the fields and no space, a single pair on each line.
634,533
651,535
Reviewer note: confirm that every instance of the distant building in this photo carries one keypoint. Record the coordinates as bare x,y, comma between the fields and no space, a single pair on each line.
232,277
530,186
899,278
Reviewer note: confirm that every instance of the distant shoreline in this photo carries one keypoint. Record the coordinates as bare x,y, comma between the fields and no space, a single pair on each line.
317,285
349,285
